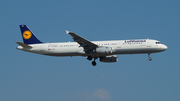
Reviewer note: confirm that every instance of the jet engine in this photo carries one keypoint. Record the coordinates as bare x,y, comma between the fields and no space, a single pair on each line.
112,58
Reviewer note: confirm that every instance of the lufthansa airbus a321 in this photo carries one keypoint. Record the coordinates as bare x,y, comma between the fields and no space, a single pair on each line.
92,50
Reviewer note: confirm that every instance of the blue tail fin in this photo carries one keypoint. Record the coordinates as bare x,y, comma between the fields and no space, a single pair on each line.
28,36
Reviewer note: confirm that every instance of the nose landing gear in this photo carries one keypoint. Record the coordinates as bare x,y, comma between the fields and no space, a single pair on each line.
149,57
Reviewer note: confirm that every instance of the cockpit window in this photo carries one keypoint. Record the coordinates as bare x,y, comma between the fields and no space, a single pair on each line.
158,42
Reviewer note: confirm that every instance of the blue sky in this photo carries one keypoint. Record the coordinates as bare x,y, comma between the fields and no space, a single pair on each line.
32,77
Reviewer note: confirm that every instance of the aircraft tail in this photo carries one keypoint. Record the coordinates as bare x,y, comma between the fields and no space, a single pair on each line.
28,36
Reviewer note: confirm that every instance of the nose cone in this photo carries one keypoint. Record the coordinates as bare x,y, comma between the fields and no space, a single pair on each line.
164,47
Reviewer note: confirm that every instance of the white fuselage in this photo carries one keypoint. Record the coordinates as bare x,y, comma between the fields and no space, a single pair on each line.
136,46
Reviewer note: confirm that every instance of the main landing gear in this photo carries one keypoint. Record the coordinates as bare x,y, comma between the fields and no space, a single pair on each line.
149,57
93,62
89,58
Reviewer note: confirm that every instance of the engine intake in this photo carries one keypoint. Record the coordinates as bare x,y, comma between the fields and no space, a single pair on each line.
112,58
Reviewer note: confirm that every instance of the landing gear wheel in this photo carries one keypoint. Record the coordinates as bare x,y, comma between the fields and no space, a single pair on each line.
149,59
89,58
94,63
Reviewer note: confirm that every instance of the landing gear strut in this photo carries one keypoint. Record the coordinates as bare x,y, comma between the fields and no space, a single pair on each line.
90,58
94,62
149,57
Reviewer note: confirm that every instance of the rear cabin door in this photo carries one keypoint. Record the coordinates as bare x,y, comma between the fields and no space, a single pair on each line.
42,48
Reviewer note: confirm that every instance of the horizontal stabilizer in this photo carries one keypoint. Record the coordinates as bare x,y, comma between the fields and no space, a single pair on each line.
24,45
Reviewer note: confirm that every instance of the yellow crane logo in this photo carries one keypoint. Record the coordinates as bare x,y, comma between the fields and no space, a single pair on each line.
27,34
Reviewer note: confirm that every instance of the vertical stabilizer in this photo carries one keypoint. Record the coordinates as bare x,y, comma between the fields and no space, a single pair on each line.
28,36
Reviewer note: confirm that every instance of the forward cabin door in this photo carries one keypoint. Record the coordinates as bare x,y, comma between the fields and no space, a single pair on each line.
148,43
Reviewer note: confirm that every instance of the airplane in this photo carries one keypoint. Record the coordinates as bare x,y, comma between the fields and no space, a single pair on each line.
106,51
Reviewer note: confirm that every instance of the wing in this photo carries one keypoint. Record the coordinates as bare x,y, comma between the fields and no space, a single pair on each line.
87,45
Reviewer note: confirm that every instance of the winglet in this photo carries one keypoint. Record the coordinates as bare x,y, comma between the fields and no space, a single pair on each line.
24,45
67,32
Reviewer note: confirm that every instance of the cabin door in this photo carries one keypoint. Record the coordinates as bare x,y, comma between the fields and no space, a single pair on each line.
118,45
148,43
42,48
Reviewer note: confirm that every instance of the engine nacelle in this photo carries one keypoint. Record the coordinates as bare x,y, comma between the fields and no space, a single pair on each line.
112,58
103,50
